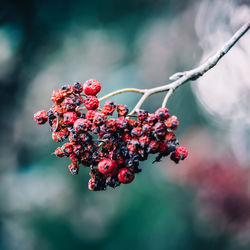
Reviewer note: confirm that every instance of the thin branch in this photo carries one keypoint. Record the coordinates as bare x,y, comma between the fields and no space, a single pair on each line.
165,100
120,91
182,77
139,104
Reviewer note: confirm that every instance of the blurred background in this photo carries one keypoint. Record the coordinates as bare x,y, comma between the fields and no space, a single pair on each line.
202,203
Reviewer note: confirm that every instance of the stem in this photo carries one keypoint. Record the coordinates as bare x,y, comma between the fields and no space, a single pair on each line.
182,77
120,91
164,103
139,104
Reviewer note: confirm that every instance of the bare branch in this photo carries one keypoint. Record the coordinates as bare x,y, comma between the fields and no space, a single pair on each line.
182,77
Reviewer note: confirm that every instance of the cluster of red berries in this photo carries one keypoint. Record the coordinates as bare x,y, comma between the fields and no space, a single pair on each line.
111,147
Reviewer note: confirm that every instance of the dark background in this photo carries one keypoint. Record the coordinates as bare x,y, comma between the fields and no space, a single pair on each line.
133,43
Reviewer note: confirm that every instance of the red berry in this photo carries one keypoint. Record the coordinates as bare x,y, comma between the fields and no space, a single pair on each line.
163,147
58,152
99,118
68,104
122,122
125,176
122,110
69,117
41,117
91,102
162,114
153,146
73,158
144,141
90,114
109,108
142,115
73,168
91,87
136,132
170,136
60,135
160,129
67,148
82,125
107,166
181,153
172,122
152,120
91,184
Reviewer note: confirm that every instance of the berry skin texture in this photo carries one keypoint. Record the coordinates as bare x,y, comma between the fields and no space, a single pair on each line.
162,114
181,153
60,135
73,168
109,108
122,110
77,88
41,117
69,118
125,176
91,87
91,102
81,125
172,122
107,166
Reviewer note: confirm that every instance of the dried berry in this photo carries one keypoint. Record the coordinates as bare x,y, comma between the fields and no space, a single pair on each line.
41,117
91,102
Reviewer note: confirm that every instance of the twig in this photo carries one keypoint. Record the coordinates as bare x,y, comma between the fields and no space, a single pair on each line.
164,103
182,77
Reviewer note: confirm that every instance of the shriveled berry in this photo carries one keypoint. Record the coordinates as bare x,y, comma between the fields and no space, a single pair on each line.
41,117
136,132
142,115
109,107
73,158
90,114
160,129
99,118
152,120
68,104
58,152
91,87
144,141
122,110
91,102
82,125
172,122
153,146
73,168
170,136
125,176
69,118
60,135
162,114
67,148
78,100
122,122
77,88
107,166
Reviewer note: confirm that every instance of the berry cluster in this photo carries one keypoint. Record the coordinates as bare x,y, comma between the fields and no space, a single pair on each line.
111,147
